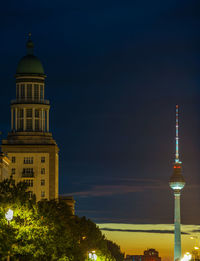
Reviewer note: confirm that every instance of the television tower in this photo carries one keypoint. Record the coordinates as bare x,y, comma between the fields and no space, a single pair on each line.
177,183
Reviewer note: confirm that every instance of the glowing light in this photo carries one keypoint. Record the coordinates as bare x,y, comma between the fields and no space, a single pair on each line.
9,215
196,247
92,255
186,257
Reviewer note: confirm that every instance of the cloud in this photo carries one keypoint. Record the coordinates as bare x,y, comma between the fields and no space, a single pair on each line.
143,231
126,186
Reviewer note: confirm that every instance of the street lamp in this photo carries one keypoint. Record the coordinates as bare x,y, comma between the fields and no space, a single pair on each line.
186,257
9,217
92,255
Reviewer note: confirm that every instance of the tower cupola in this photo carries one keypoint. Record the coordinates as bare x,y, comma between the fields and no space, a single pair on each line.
30,64
30,111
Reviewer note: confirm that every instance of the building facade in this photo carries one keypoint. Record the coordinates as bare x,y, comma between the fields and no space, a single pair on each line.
32,151
149,255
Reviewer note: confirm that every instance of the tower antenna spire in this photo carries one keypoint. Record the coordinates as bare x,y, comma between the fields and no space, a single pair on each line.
177,138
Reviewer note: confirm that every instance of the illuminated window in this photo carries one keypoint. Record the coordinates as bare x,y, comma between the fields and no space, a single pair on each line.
42,182
13,159
30,193
42,170
42,194
42,159
28,172
28,160
29,182
13,171
20,119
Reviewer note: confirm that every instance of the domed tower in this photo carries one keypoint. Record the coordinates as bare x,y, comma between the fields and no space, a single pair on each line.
177,183
30,145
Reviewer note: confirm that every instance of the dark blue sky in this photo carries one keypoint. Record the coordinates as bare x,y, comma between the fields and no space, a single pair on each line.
116,70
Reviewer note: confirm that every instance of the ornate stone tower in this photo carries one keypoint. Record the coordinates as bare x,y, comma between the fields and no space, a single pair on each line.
30,146
177,183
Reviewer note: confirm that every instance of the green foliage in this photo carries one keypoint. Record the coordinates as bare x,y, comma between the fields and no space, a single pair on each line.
47,230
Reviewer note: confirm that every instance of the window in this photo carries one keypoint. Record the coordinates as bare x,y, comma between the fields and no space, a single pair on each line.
29,91
20,113
21,124
36,91
29,113
20,119
42,170
37,125
13,159
29,182
42,182
29,126
17,93
28,172
42,194
22,91
30,193
42,159
41,92
28,160
13,171
37,113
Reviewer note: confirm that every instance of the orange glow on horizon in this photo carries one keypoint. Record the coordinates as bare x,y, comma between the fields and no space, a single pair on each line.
156,236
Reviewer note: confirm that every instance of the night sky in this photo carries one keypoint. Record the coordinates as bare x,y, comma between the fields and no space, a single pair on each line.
115,72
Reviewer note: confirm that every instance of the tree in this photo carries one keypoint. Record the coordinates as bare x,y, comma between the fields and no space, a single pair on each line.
47,230
115,250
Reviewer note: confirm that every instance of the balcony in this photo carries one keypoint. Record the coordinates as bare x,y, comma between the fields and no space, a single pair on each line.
30,101
28,175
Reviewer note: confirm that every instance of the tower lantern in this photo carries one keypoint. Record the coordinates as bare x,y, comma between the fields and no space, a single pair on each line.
177,183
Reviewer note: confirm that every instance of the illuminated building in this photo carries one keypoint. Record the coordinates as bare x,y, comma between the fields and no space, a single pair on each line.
32,151
177,183
149,255
4,166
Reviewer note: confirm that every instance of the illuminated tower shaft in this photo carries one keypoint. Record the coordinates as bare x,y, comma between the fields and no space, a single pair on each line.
177,183
177,226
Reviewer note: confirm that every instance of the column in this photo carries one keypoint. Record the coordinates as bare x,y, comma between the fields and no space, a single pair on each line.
32,92
25,91
12,119
47,120
24,114
19,92
16,119
42,119
33,119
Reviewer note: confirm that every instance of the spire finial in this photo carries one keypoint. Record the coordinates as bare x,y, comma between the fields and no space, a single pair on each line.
29,45
177,138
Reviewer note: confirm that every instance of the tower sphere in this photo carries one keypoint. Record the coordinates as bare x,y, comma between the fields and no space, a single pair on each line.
30,64
177,181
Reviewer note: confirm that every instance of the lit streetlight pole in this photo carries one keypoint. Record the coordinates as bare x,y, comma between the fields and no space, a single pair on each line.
9,217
